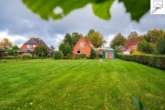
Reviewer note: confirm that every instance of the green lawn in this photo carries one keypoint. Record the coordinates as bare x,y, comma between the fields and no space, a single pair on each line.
79,85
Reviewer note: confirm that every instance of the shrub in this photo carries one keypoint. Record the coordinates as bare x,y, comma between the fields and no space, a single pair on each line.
66,49
81,56
150,60
26,56
68,56
58,55
93,54
13,51
145,47
9,57
41,51
2,53
161,46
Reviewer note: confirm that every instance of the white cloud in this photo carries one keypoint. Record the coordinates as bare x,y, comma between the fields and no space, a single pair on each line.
21,23
109,39
15,39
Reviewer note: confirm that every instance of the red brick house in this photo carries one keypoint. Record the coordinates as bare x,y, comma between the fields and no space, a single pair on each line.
31,44
131,45
82,47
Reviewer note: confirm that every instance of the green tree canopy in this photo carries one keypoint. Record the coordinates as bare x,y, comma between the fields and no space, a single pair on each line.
66,49
161,46
68,43
41,51
146,47
96,38
5,43
154,41
153,36
118,41
13,51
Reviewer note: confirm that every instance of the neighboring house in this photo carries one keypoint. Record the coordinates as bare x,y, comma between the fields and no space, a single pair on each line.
82,47
107,53
130,46
31,44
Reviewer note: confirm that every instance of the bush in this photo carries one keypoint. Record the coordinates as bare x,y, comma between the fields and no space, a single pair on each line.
145,47
66,49
150,60
2,53
93,54
161,46
58,55
41,51
81,56
9,57
68,56
13,51
26,56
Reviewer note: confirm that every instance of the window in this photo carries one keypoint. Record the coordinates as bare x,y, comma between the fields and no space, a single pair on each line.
34,46
78,52
29,46
82,44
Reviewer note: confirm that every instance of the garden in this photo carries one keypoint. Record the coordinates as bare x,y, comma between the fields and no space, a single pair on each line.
49,84
82,55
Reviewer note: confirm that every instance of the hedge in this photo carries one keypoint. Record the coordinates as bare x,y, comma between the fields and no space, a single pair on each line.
150,60
58,55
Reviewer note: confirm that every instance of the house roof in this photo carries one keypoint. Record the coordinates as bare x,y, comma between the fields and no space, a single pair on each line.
32,41
131,42
88,42
35,41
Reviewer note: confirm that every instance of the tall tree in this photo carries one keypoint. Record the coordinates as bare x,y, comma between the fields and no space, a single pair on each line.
153,36
5,43
145,47
68,43
96,38
75,37
66,49
133,35
118,42
153,39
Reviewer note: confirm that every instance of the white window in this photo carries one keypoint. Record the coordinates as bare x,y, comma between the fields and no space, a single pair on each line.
34,46
82,44
29,46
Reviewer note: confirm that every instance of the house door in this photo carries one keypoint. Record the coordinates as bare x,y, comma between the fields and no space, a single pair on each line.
110,55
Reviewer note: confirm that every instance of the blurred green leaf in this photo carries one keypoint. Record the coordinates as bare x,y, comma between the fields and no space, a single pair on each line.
136,8
102,10
49,8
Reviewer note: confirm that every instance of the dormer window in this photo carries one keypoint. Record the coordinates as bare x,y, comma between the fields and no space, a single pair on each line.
34,46
82,44
29,46
78,52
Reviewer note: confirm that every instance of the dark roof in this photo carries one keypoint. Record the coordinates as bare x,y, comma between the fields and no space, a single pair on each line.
35,41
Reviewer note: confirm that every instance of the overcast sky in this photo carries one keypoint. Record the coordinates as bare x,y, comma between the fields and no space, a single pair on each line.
18,23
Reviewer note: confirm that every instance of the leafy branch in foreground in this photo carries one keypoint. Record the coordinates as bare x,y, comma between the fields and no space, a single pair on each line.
58,9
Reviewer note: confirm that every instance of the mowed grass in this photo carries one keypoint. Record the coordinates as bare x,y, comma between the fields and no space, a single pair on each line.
79,85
